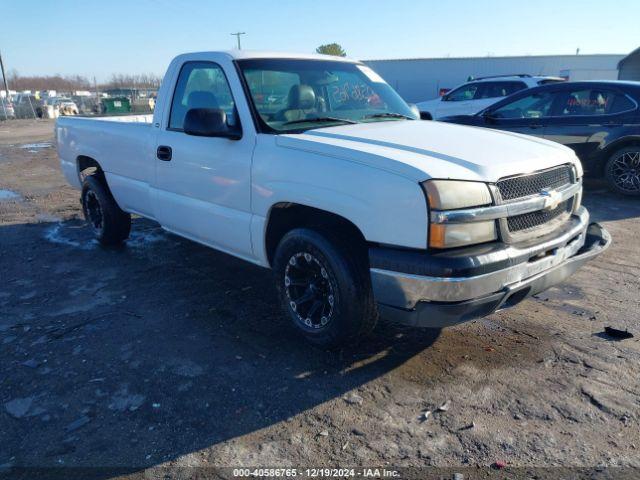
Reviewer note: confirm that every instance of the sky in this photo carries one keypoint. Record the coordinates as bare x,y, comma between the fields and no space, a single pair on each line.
101,37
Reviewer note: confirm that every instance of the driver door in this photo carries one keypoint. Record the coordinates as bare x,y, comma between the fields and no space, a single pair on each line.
202,184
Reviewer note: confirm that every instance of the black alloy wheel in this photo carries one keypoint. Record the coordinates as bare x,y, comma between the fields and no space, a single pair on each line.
309,290
623,171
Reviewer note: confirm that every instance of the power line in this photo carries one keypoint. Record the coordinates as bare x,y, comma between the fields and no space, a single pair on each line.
237,35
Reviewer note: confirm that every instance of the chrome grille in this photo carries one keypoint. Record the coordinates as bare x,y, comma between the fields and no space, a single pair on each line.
533,184
526,221
521,187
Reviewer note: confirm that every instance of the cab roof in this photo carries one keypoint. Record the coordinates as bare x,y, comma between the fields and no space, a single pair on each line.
257,54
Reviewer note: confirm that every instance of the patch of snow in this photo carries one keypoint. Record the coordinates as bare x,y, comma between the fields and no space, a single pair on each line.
140,239
8,195
33,146
54,235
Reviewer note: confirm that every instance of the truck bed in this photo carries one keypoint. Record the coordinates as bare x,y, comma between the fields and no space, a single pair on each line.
145,118
122,145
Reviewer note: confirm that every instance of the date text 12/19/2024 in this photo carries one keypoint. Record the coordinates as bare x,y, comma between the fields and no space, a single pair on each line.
315,473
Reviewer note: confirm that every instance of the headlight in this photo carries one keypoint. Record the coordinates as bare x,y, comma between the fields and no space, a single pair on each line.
452,195
577,200
577,166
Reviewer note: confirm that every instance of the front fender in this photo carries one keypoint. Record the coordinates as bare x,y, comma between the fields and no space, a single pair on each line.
597,162
387,208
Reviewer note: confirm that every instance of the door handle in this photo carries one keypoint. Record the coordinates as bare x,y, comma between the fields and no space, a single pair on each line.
164,153
535,125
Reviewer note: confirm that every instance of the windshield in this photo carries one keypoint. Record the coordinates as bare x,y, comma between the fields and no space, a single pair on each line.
297,95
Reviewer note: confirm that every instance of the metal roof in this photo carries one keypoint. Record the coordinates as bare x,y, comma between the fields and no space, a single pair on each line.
493,57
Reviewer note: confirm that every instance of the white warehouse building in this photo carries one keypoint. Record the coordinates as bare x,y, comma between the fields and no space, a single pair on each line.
422,79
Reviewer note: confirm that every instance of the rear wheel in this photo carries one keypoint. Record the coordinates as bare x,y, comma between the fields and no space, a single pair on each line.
324,288
622,171
111,225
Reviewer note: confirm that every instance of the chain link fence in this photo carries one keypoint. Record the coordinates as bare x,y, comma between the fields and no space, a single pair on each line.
28,106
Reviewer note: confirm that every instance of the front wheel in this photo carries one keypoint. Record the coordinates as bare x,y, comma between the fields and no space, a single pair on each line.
622,171
324,288
111,225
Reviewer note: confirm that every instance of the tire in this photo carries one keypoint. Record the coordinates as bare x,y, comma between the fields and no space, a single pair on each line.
324,287
622,171
110,224
426,116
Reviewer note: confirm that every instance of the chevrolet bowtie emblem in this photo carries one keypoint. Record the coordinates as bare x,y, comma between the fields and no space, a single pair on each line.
552,198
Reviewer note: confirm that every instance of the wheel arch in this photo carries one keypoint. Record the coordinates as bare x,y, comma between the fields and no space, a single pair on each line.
84,163
86,166
628,141
285,216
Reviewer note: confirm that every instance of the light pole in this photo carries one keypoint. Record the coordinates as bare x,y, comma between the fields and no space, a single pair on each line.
4,77
237,35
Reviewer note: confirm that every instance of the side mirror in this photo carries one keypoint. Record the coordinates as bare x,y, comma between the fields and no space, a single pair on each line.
209,122
488,115
414,108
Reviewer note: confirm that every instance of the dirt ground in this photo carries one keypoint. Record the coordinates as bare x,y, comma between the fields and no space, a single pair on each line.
167,353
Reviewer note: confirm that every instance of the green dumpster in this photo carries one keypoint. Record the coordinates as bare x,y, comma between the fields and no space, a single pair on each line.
116,105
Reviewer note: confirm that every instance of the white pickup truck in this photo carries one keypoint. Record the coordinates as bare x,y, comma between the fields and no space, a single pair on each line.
315,167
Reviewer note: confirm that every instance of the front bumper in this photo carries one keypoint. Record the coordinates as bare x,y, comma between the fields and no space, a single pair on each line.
443,289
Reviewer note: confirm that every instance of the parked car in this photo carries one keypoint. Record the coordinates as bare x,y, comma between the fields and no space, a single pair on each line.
87,105
478,94
599,120
63,105
359,208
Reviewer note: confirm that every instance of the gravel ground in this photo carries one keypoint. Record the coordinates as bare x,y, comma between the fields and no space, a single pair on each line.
166,353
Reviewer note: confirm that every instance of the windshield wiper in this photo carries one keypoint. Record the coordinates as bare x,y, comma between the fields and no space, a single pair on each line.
319,120
389,115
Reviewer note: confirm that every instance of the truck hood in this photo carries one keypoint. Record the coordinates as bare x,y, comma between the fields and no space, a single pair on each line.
421,150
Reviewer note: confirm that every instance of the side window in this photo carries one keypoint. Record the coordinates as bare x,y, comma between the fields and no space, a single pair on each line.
621,103
535,105
513,87
498,89
466,92
593,101
200,85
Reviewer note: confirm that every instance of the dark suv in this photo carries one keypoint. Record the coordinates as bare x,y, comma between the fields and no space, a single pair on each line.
599,120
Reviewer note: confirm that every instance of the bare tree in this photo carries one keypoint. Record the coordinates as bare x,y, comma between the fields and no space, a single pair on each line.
144,80
49,82
78,82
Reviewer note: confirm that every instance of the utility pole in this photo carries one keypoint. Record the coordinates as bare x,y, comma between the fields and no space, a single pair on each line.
4,77
237,35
